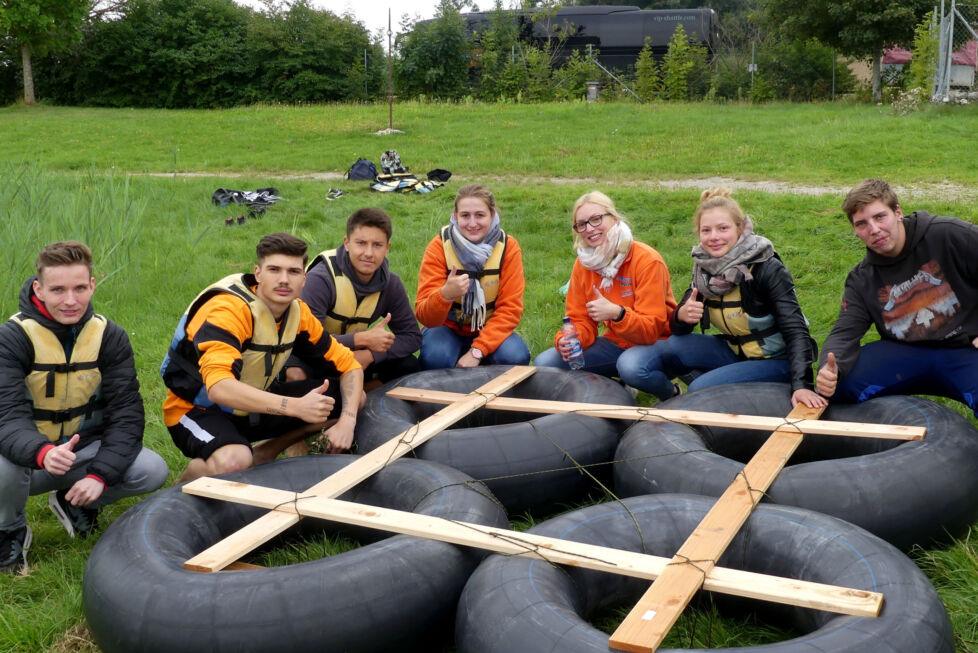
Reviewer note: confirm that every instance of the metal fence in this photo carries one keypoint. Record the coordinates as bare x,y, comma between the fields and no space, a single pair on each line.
957,49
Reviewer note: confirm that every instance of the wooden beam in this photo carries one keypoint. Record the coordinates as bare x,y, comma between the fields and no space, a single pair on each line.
653,616
728,581
611,411
269,525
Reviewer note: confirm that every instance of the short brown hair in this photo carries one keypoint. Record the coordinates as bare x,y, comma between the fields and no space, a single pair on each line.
479,192
370,217
868,192
64,252
281,243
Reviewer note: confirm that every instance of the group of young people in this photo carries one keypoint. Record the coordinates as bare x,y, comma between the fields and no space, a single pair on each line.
260,361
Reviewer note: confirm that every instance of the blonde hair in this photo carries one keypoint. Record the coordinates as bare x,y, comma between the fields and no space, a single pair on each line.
719,198
479,192
593,197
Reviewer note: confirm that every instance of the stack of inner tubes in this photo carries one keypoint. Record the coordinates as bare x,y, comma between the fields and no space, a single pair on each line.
529,461
138,597
905,492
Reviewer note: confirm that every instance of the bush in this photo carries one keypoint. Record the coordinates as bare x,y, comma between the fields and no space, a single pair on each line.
434,57
924,62
648,83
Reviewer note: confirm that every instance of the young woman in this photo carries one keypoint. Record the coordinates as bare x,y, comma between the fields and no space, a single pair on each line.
741,288
470,289
618,284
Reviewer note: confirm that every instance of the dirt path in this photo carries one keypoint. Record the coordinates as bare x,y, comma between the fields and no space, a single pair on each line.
943,191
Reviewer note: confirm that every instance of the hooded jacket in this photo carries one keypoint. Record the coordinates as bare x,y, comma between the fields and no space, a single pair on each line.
926,295
121,429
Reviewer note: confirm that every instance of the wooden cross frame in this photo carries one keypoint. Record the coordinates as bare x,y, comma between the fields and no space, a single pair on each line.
676,580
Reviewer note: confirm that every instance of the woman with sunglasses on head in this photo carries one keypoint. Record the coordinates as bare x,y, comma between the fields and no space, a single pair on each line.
617,283
470,289
740,287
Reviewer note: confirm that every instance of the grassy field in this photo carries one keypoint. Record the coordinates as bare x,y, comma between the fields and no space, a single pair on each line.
158,240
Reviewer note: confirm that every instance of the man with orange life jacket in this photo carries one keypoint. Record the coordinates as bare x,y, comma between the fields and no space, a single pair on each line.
228,349
71,417
361,302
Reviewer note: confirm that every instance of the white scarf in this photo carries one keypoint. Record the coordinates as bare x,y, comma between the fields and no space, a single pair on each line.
606,258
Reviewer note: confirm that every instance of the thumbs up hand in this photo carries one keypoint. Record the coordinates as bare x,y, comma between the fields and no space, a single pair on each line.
691,312
455,286
601,308
828,377
377,338
313,407
59,460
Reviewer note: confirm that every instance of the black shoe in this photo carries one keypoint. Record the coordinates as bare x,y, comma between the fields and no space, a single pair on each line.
13,550
77,521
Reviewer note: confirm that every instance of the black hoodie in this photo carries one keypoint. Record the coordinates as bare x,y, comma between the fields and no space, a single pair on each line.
121,432
926,295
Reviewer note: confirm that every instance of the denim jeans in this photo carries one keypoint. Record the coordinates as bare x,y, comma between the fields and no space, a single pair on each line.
894,368
441,348
600,358
651,368
146,473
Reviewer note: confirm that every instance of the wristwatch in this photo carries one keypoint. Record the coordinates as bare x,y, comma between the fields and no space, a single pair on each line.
476,353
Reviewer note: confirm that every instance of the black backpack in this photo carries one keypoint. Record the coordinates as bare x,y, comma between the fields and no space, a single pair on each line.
362,169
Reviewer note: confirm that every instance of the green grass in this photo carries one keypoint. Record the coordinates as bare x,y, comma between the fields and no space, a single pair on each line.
811,143
158,240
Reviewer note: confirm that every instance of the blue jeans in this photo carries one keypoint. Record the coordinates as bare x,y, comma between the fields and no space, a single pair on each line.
441,348
600,358
894,368
651,368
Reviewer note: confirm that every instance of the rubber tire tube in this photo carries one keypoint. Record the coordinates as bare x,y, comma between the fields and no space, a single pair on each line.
528,605
509,451
905,492
138,598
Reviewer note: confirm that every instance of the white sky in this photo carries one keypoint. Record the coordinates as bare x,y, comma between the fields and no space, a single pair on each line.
373,13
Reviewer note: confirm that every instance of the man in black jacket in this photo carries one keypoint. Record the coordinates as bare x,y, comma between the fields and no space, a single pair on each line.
71,418
918,284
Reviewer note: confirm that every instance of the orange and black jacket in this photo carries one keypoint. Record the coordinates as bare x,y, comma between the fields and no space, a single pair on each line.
218,330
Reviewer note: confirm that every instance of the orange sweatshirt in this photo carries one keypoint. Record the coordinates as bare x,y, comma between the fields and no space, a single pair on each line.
642,286
223,323
432,308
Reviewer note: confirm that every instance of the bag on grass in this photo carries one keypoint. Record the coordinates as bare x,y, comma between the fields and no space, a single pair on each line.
362,169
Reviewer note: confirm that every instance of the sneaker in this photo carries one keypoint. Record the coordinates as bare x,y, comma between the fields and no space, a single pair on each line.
13,550
77,521
334,194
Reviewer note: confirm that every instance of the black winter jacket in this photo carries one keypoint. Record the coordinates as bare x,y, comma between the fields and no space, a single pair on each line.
121,432
771,292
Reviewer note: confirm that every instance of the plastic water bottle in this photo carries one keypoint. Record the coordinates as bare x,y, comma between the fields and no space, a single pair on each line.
576,359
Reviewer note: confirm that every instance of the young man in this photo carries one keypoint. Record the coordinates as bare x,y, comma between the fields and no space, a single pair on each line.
71,418
226,353
361,302
918,284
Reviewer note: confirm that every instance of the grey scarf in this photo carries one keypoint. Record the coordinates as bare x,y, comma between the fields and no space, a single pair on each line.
473,257
715,277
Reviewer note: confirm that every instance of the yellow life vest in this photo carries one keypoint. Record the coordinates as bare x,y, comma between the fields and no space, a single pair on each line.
747,335
347,315
64,393
262,357
488,277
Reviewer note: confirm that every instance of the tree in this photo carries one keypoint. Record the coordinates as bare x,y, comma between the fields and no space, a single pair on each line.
37,27
434,56
647,82
684,68
858,28
924,63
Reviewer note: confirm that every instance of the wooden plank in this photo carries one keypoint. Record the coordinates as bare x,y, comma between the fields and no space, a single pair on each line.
702,418
728,581
653,616
269,525
242,566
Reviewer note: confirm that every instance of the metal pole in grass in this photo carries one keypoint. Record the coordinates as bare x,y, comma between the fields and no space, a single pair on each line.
390,82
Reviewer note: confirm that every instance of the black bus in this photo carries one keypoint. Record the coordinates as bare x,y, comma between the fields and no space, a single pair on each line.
617,33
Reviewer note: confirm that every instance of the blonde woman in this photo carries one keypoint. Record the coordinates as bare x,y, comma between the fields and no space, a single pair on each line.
619,298
741,288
